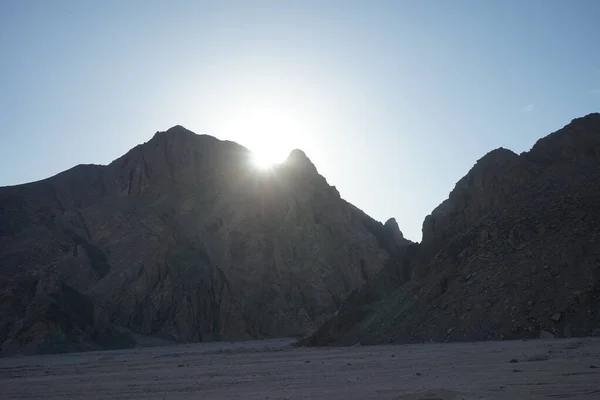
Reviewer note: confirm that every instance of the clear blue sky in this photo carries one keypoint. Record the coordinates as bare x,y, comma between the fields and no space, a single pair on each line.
393,101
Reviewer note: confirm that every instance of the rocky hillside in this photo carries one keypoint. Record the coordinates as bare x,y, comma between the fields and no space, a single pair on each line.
180,239
514,252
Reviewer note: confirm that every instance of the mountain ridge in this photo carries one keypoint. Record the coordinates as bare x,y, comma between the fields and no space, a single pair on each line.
538,211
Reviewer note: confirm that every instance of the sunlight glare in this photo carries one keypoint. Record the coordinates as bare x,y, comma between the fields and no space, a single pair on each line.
264,160
269,132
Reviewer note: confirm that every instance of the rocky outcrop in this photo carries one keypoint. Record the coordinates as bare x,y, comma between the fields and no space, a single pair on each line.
514,252
182,239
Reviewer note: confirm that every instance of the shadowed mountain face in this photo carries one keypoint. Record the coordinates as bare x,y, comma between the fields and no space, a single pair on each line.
514,252
182,239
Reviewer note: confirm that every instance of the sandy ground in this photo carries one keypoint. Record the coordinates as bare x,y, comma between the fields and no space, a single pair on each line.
535,369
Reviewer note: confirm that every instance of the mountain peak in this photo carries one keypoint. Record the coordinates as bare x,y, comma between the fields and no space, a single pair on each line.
297,154
177,130
393,230
299,159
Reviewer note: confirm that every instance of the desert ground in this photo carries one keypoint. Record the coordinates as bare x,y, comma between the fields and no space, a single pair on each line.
273,369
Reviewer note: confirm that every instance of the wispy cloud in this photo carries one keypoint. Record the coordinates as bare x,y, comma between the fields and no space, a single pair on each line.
528,108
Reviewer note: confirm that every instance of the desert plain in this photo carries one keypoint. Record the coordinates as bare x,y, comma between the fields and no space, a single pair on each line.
275,369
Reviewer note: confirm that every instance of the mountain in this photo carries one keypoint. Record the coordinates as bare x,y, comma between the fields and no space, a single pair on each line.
514,252
179,239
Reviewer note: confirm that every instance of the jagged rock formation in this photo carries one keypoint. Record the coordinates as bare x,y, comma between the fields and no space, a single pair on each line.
514,252
180,239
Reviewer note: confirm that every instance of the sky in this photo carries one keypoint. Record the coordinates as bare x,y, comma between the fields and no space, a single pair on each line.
393,101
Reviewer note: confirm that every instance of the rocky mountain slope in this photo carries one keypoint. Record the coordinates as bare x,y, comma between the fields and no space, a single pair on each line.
514,252
182,239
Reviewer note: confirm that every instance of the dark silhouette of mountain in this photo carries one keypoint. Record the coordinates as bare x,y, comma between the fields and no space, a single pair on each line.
179,239
514,252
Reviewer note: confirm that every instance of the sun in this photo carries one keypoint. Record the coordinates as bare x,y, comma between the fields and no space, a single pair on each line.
265,159
270,133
